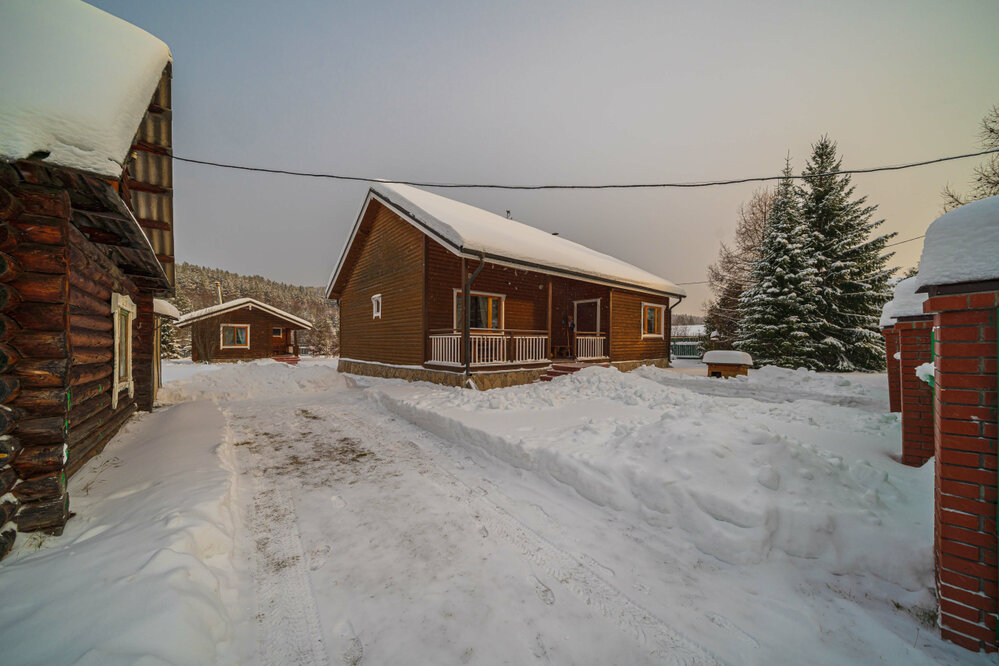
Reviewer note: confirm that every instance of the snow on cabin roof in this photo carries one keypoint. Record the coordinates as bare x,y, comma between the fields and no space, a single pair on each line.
238,304
76,83
904,303
962,246
165,309
469,230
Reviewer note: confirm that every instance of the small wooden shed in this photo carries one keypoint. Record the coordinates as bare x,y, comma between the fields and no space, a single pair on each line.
243,330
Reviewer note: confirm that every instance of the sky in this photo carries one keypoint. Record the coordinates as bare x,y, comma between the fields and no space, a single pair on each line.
558,93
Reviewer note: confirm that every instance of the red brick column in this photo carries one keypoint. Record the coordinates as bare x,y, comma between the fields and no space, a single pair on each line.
916,395
894,388
965,424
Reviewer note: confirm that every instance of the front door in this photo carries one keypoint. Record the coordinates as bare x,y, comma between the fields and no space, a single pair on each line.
279,341
587,316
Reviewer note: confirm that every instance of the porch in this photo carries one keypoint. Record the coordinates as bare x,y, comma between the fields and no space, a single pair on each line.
499,347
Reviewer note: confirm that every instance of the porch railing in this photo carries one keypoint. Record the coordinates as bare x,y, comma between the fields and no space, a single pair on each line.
499,348
590,346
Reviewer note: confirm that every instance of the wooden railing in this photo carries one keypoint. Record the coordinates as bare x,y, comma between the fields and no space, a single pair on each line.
590,346
492,348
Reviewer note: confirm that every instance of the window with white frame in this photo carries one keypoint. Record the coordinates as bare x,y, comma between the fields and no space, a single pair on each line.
235,336
652,320
123,312
376,306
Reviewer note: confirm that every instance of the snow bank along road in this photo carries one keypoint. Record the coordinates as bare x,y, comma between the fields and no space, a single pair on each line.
609,518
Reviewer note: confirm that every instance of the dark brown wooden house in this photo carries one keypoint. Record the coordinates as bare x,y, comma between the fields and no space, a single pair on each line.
243,330
413,259
86,242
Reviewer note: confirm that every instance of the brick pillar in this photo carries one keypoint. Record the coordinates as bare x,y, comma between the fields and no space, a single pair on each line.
894,387
965,425
916,395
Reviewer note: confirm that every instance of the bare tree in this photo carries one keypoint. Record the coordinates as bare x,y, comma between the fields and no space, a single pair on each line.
986,180
728,277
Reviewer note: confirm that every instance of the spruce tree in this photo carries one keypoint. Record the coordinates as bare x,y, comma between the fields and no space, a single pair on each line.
853,272
779,310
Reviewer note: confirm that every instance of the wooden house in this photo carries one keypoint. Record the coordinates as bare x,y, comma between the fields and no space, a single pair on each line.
414,258
86,243
243,330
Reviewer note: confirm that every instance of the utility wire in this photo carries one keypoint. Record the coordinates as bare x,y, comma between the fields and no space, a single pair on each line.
907,240
626,186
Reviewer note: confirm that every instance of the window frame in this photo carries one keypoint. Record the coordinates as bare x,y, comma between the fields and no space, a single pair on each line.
661,321
376,306
223,345
460,325
122,304
279,334
575,313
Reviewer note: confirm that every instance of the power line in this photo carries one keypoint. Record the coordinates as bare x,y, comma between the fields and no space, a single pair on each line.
907,240
627,186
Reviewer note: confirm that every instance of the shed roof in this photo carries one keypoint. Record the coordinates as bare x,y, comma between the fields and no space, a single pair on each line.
905,302
239,304
76,83
469,231
165,309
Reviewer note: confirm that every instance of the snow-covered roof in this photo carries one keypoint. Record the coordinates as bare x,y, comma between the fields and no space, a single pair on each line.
165,308
239,304
962,246
75,81
727,356
469,231
904,303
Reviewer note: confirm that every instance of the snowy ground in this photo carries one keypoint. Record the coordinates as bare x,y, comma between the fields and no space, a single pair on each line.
273,514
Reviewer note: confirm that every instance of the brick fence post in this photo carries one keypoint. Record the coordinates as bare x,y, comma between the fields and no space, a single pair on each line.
894,385
913,340
965,438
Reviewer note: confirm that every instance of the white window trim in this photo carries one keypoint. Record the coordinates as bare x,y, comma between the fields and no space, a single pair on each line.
575,312
223,345
662,322
460,325
120,302
280,332
376,306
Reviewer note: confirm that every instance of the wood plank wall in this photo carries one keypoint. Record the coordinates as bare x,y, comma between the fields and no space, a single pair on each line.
626,342
390,263
205,335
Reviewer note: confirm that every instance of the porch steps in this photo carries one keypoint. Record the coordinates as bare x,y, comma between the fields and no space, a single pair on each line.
560,369
290,360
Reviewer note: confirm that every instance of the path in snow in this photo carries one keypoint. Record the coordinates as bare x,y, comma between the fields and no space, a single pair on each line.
304,449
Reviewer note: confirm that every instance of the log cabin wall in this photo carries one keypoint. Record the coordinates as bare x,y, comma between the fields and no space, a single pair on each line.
390,263
92,421
626,341
206,336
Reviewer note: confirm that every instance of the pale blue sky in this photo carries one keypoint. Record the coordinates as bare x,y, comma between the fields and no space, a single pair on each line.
567,92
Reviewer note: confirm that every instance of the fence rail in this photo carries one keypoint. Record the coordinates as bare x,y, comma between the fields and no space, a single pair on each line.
589,347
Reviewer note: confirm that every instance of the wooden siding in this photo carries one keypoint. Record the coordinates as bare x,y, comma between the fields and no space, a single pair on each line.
206,336
626,342
390,262
526,293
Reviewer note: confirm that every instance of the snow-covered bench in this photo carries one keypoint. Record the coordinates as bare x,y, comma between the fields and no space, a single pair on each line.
727,363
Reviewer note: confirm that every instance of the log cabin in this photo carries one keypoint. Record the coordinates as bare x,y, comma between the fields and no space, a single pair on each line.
243,330
86,243
414,258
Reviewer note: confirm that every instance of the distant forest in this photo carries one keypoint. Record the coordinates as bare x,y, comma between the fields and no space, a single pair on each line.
196,289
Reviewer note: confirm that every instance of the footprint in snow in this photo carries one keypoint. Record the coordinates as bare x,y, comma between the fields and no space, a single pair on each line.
544,592
318,556
338,502
353,652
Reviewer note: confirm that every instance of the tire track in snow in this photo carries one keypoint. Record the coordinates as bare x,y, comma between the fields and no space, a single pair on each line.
288,625
580,578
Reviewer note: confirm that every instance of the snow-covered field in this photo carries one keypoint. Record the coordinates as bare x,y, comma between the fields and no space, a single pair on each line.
269,514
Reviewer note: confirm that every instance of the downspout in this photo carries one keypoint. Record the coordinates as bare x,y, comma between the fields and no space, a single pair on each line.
467,317
670,346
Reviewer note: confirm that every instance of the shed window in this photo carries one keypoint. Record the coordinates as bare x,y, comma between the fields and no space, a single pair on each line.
123,312
652,320
487,311
277,332
236,336
376,306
